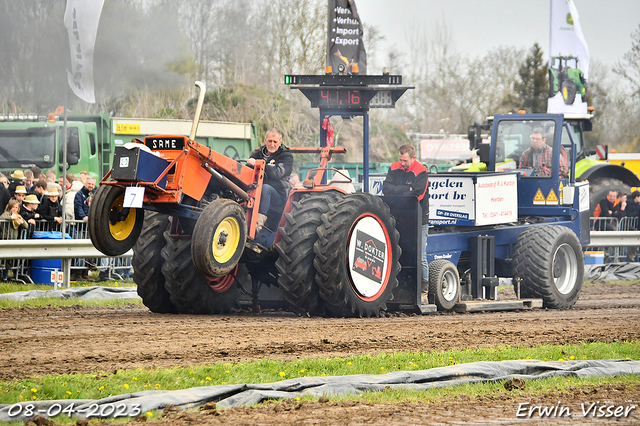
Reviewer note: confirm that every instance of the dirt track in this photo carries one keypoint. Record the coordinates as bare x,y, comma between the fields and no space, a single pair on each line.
79,339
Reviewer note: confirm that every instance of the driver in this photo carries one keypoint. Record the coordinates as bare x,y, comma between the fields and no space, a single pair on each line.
539,156
275,188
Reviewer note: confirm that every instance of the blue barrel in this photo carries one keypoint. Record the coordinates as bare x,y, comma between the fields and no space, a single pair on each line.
41,268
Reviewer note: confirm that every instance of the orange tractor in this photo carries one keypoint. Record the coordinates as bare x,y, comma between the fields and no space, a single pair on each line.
190,215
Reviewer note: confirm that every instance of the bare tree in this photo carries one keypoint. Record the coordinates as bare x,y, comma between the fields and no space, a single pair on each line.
629,66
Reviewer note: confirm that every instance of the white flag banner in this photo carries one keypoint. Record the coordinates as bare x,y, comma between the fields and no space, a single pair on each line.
568,60
81,20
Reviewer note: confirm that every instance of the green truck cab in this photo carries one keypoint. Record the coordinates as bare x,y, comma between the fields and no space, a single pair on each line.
28,140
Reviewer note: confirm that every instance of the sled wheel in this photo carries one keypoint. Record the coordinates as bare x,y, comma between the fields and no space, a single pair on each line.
190,292
296,272
113,229
219,237
550,262
357,256
444,284
147,264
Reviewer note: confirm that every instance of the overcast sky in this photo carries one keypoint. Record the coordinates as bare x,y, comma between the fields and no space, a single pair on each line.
479,25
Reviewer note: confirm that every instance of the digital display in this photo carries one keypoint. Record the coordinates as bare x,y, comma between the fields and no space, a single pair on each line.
339,97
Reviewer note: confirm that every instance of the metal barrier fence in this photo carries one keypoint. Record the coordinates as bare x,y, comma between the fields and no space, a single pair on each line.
20,269
615,254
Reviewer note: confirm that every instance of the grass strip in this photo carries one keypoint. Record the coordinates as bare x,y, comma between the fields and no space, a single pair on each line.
104,384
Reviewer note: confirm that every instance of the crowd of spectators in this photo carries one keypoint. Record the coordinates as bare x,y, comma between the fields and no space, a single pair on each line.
31,200
613,209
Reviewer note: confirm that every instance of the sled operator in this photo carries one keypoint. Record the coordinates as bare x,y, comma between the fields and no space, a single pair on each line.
409,177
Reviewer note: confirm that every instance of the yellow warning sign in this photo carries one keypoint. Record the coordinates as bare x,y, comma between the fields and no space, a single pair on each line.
538,198
552,198
560,192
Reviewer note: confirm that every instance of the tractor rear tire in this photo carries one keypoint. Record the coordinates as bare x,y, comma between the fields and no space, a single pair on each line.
550,262
444,284
110,232
568,89
295,266
147,264
219,237
189,290
600,188
357,256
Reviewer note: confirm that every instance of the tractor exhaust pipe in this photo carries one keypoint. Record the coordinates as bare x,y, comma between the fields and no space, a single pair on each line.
196,119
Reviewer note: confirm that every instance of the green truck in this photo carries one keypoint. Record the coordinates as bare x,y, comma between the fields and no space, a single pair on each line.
28,140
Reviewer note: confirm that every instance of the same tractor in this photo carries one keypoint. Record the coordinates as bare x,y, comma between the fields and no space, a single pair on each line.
190,215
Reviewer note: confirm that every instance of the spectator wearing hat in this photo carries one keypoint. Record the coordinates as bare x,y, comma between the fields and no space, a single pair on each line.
20,193
17,178
28,209
50,208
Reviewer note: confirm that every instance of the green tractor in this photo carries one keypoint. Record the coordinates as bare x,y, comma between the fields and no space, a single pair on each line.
565,79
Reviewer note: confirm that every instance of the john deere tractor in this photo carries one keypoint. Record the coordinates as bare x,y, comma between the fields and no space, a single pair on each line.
566,79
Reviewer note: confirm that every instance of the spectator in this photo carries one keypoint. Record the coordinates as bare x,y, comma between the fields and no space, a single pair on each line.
29,213
69,199
633,211
28,181
12,213
28,209
37,172
81,200
619,209
16,179
604,209
83,176
51,181
40,188
4,181
50,208
5,196
10,230
20,193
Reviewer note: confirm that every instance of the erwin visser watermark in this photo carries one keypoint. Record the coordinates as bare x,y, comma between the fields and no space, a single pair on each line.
586,409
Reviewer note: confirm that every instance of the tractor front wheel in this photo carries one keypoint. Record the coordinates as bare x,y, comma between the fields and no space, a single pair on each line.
219,237
113,229
357,256
568,89
550,262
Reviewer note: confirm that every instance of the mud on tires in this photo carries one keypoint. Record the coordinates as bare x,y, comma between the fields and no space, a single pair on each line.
295,252
147,264
188,288
550,262
357,256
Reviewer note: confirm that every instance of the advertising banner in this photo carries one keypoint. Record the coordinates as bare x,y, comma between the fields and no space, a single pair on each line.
345,47
568,60
81,21
451,201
